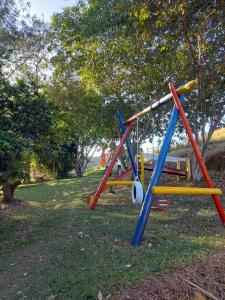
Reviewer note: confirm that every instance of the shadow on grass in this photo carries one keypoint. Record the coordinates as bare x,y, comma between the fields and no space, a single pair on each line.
121,220
84,252
71,252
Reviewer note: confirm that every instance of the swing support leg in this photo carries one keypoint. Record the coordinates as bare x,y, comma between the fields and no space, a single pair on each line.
129,149
109,169
202,165
149,197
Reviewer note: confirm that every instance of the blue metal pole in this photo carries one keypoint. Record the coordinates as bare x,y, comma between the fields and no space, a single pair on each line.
129,149
149,197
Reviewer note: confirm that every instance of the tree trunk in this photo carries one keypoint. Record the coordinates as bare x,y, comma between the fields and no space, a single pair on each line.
196,171
78,169
9,190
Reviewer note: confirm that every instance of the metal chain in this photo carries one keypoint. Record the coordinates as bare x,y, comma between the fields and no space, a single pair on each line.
137,137
153,139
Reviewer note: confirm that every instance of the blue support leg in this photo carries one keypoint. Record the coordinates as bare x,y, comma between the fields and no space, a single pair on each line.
149,197
129,149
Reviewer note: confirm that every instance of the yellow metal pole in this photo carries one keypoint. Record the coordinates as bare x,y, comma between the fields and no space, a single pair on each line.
185,190
142,169
178,168
119,182
188,169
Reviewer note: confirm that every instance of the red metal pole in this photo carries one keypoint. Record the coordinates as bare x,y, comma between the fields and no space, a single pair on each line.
109,170
202,165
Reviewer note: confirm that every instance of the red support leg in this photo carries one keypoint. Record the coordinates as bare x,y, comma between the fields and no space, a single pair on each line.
202,165
109,170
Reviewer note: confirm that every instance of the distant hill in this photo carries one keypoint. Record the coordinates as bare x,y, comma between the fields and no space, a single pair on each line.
215,159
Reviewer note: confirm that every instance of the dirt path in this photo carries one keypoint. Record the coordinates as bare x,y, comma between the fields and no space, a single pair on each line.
209,275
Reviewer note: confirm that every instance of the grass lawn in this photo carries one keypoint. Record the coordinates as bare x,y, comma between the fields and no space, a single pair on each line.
53,247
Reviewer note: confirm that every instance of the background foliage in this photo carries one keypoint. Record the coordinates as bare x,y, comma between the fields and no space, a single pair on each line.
62,85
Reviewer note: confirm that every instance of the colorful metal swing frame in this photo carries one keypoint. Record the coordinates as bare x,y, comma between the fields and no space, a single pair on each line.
153,188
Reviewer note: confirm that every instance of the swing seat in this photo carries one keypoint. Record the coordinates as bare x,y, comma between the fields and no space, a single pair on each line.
137,192
161,205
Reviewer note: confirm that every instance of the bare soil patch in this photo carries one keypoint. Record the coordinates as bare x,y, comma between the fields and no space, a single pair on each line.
208,274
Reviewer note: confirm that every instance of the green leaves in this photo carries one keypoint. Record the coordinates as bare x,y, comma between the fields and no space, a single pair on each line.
26,120
108,56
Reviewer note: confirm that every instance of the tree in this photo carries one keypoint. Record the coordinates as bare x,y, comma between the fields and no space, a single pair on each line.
82,131
8,22
203,31
26,120
29,52
127,51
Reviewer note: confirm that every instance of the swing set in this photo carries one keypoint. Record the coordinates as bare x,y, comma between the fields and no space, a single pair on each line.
138,195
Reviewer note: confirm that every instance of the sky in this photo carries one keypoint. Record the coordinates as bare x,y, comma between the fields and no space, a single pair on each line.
47,8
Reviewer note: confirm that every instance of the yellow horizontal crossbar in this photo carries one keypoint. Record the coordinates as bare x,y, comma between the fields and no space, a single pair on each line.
185,190
188,87
119,182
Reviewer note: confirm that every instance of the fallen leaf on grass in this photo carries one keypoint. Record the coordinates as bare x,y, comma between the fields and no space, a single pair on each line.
80,234
100,297
19,292
52,297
